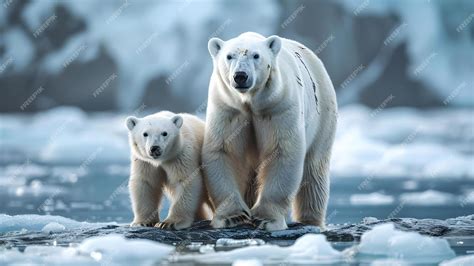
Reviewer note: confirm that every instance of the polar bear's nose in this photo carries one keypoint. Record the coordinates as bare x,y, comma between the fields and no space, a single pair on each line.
155,150
240,78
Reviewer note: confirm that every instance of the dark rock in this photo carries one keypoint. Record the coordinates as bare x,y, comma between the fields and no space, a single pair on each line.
202,232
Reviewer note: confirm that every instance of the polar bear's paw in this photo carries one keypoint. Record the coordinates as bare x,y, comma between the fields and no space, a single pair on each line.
142,224
173,225
233,220
270,224
267,217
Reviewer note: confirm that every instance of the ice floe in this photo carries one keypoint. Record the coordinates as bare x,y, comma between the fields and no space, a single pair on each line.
428,198
375,198
386,241
33,222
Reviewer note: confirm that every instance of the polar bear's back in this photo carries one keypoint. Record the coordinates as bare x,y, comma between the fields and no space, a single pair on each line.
193,128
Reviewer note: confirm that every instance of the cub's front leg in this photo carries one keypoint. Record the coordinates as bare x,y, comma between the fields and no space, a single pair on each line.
185,197
145,187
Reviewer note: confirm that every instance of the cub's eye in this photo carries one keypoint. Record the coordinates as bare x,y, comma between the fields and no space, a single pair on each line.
256,56
164,134
229,57
145,134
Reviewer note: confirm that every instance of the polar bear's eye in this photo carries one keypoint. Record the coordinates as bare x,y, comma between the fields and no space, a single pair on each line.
256,56
164,134
229,57
145,134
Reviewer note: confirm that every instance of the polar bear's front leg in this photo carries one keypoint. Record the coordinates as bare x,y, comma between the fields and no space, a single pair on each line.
224,166
145,187
231,209
279,173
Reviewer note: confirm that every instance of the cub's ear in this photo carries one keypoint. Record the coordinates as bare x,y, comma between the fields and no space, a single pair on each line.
215,45
274,43
177,120
131,122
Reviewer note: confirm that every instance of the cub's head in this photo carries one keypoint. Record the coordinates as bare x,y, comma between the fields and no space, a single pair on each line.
154,137
244,63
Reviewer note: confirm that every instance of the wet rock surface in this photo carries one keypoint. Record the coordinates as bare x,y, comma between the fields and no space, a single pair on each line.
203,233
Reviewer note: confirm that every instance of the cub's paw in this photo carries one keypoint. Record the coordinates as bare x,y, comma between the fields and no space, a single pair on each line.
233,220
142,224
171,225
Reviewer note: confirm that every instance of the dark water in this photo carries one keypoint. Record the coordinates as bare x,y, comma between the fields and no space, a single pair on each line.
101,195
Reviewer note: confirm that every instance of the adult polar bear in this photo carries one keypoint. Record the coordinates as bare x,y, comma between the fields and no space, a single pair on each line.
271,121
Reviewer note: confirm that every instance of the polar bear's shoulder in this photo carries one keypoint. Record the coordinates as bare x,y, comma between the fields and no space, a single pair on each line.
192,126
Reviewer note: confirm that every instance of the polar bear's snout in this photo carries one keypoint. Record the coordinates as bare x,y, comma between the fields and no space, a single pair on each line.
241,80
155,151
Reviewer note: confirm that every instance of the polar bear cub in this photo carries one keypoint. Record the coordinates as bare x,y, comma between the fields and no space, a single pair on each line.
166,157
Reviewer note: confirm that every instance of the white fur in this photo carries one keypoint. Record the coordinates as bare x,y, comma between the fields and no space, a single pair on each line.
268,146
177,170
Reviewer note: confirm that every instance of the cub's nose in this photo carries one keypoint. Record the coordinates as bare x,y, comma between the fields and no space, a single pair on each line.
155,151
240,78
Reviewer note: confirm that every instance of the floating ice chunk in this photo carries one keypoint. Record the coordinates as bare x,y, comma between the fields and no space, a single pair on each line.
308,248
117,248
428,198
384,240
33,222
369,220
53,227
375,198
247,263
229,242
389,262
109,249
459,261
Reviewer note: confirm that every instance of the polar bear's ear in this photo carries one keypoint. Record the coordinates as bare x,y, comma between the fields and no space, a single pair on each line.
131,122
274,43
215,45
177,120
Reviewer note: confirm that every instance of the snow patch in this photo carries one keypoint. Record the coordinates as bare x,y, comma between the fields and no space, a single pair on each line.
103,250
385,240
53,227
306,249
33,222
459,261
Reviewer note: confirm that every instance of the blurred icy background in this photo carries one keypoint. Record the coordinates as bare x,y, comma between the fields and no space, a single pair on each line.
71,71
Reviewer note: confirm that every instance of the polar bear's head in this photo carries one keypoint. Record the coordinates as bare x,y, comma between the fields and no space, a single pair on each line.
245,63
155,137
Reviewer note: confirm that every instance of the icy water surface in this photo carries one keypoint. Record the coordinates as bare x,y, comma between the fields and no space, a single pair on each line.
99,193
